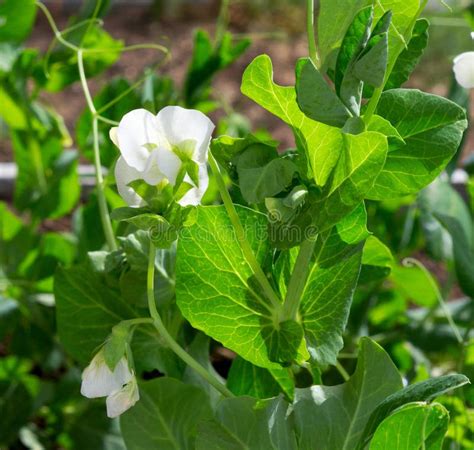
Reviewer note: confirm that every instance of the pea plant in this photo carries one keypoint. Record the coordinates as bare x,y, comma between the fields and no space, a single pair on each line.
269,275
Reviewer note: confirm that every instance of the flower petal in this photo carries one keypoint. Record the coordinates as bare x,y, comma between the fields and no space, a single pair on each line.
99,381
137,128
464,69
162,163
113,135
178,124
194,195
118,402
124,174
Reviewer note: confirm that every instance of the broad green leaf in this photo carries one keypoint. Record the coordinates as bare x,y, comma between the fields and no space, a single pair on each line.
377,260
166,417
413,284
415,426
421,391
431,127
383,126
440,197
16,19
215,288
463,252
245,424
327,296
226,148
315,98
262,173
334,417
362,159
322,143
246,379
94,431
16,405
86,312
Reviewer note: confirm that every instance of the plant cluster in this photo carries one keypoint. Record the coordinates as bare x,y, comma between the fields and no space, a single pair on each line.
292,270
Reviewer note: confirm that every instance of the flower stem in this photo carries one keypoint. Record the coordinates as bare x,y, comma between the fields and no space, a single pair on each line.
298,279
103,208
158,323
242,239
313,54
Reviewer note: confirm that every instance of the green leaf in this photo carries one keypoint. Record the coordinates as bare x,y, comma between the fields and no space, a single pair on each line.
422,391
245,424
362,158
86,312
16,19
377,260
334,18
409,58
348,86
333,275
262,173
16,405
334,417
463,252
414,426
315,98
166,416
322,143
431,127
383,126
94,431
215,288
441,198
246,379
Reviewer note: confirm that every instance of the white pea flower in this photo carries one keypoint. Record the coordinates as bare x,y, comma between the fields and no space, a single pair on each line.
119,386
118,402
99,381
154,149
463,68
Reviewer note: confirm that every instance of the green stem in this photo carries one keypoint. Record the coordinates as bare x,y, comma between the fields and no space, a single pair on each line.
342,371
298,279
242,239
137,321
222,21
103,208
173,345
313,54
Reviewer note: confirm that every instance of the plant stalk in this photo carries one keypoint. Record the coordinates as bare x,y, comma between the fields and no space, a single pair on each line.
313,54
158,323
298,279
103,208
240,234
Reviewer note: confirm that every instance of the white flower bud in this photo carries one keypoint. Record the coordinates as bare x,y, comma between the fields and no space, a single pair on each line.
118,402
463,68
99,381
